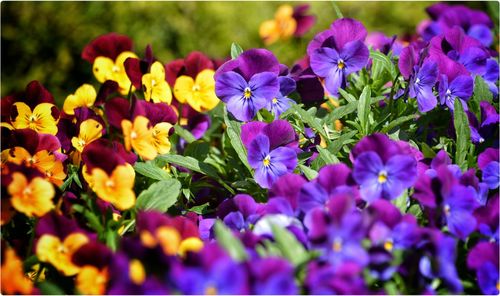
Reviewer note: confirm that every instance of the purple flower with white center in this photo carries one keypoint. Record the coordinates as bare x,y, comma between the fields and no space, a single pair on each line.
270,164
487,219
281,102
484,259
338,52
489,164
384,180
491,75
421,85
239,213
488,127
458,206
461,88
248,83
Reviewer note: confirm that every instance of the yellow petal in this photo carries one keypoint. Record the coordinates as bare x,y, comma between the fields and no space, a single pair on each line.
158,70
191,244
92,281
42,119
103,69
90,130
13,280
284,12
206,98
183,89
23,116
31,199
84,96
269,31
141,138
117,188
127,130
47,248
155,86
160,137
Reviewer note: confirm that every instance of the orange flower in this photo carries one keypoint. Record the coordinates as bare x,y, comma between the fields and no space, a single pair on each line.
282,27
117,188
33,198
170,241
91,280
13,279
50,249
139,136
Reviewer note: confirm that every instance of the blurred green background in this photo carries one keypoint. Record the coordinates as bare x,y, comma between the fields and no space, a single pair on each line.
43,40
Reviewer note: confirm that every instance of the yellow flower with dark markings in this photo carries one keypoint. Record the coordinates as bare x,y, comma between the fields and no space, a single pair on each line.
91,280
139,135
156,88
84,96
170,240
90,130
160,137
105,68
13,279
281,27
33,198
117,188
40,119
198,93
50,249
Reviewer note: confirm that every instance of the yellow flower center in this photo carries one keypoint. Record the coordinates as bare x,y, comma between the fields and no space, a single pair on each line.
388,245
267,161
275,101
62,249
32,118
248,93
196,88
133,135
337,245
48,174
341,64
116,69
211,290
27,191
153,82
81,142
110,183
382,177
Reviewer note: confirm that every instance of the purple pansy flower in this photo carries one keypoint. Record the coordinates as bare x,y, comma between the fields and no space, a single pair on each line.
490,166
461,88
491,75
239,213
281,102
248,83
484,130
272,276
421,85
484,259
338,52
487,219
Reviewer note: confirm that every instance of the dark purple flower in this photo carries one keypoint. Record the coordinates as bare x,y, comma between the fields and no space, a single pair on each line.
379,41
461,88
270,164
338,52
487,219
272,276
325,279
484,259
239,213
308,84
491,75
488,127
281,102
288,187
421,85
488,162
379,179
304,21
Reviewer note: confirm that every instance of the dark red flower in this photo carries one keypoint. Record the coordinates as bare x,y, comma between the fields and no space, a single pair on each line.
109,45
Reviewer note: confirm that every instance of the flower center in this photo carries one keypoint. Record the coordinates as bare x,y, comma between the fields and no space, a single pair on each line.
417,81
211,290
81,142
341,64
337,245
446,210
153,82
27,191
32,118
267,161
275,100
116,69
388,245
110,183
62,249
133,135
248,93
196,88
382,177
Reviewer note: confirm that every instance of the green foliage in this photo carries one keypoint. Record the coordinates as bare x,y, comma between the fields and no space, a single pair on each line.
289,246
227,240
159,196
462,131
150,170
236,50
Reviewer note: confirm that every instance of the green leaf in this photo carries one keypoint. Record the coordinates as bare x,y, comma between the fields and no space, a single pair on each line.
385,61
229,242
327,157
49,288
111,239
364,108
397,122
337,10
233,130
340,112
481,93
159,196
462,130
337,144
401,202
201,209
190,163
150,170
184,133
310,120
236,50
308,172
289,246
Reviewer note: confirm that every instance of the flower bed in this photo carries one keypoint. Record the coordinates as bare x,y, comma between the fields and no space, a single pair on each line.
370,166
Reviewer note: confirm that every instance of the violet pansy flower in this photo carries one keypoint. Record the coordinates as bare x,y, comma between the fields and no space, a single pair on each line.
421,85
338,52
282,102
248,83
460,88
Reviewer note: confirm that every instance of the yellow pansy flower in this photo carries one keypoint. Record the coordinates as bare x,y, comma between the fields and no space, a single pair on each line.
50,249
84,96
170,241
117,188
156,88
139,136
40,120
13,279
283,26
160,137
198,93
105,68
33,198
91,280
90,130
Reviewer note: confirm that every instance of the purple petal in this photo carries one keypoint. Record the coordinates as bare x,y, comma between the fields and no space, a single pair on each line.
333,176
355,55
266,176
379,143
287,85
304,23
367,167
199,124
334,81
489,114
258,150
250,130
229,86
482,253
280,133
255,61
288,186
481,33
487,156
401,174
426,100
407,60
324,61
312,195
245,204
264,87
461,223
474,59
116,110
347,30
491,174
462,87
285,156
318,41
244,109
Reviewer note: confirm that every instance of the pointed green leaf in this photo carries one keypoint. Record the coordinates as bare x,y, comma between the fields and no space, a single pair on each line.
159,196
236,50
233,131
150,170
289,246
229,242
462,131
